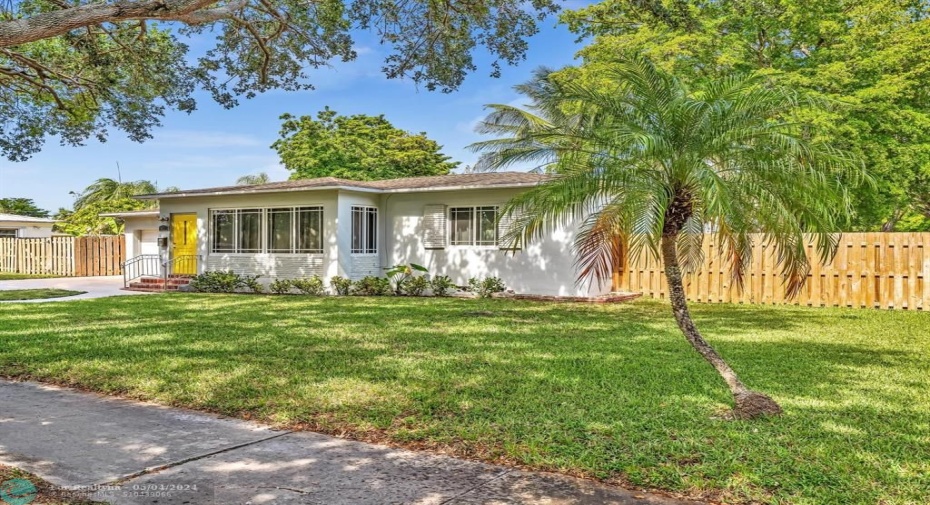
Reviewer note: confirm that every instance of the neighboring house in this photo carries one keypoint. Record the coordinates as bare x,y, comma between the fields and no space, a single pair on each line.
15,226
330,227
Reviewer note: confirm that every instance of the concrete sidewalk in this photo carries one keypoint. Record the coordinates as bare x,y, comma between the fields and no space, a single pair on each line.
153,454
94,287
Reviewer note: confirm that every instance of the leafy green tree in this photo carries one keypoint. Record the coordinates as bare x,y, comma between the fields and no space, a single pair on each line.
645,160
105,190
22,207
356,147
87,220
79,68
104,196
869,60
252,179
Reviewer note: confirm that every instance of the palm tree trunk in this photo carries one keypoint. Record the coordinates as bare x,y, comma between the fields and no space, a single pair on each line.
749,403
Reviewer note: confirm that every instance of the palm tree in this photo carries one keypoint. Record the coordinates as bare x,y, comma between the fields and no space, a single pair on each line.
108,190
250,180
644,161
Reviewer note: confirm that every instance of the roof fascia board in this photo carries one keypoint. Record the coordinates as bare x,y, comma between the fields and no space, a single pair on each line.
339,188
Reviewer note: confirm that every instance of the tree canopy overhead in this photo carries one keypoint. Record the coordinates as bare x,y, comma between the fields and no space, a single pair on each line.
79,68
869,60
358,147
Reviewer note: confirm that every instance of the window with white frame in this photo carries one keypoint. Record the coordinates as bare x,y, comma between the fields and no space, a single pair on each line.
281,230
249,231
364,230
473,226
8,232
295,230
223,224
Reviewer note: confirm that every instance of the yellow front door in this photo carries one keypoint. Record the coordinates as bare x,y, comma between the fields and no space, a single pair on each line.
184,243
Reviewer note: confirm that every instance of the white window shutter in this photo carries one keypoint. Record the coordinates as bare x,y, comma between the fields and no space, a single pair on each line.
434,226
504,224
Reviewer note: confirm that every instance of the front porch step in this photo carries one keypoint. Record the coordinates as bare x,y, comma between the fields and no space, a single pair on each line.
149,284
149,288
171,280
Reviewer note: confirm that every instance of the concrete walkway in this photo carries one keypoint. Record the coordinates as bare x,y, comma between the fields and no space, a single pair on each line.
95,287
153,454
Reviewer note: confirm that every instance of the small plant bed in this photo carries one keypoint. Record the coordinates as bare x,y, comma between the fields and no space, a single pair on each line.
610,298
23,486
36,294
400,280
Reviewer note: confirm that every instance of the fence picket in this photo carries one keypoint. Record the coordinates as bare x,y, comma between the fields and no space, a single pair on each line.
63,256
870,270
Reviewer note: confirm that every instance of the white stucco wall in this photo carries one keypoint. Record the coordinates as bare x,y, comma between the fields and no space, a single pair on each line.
543,267
269,265
141,235
356,266
28,229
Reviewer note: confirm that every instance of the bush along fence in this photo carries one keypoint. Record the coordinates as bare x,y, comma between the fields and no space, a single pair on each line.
63,256
870,270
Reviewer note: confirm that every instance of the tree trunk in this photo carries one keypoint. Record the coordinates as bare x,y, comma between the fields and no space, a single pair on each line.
889,225
749,404
49,24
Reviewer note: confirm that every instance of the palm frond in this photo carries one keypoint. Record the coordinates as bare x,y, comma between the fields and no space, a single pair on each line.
600,245
633,145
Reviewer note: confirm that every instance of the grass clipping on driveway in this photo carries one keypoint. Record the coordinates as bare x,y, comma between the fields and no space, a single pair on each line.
36,294
606,391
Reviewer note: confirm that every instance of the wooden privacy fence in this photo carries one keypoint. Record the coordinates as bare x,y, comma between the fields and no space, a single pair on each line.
870,270
63,256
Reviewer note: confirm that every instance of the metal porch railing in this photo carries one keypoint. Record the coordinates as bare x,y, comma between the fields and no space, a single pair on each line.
141,266
185,264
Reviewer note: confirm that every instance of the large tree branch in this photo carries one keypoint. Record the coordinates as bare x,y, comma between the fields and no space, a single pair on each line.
52,24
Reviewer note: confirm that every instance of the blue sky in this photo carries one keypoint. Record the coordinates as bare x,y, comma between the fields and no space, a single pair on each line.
214,146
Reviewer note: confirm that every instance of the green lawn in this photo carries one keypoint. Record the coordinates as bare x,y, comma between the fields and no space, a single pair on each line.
6,276
36,294
612,392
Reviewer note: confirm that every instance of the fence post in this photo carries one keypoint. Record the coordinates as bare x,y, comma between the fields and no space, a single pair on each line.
925,247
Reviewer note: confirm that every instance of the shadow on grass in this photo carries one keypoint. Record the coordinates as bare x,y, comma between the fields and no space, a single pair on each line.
605,390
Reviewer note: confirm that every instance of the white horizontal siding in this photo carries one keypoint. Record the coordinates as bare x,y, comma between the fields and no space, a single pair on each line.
362,265
270,266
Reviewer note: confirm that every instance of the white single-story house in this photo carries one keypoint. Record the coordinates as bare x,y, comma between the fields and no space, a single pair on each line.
329,227
16,226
